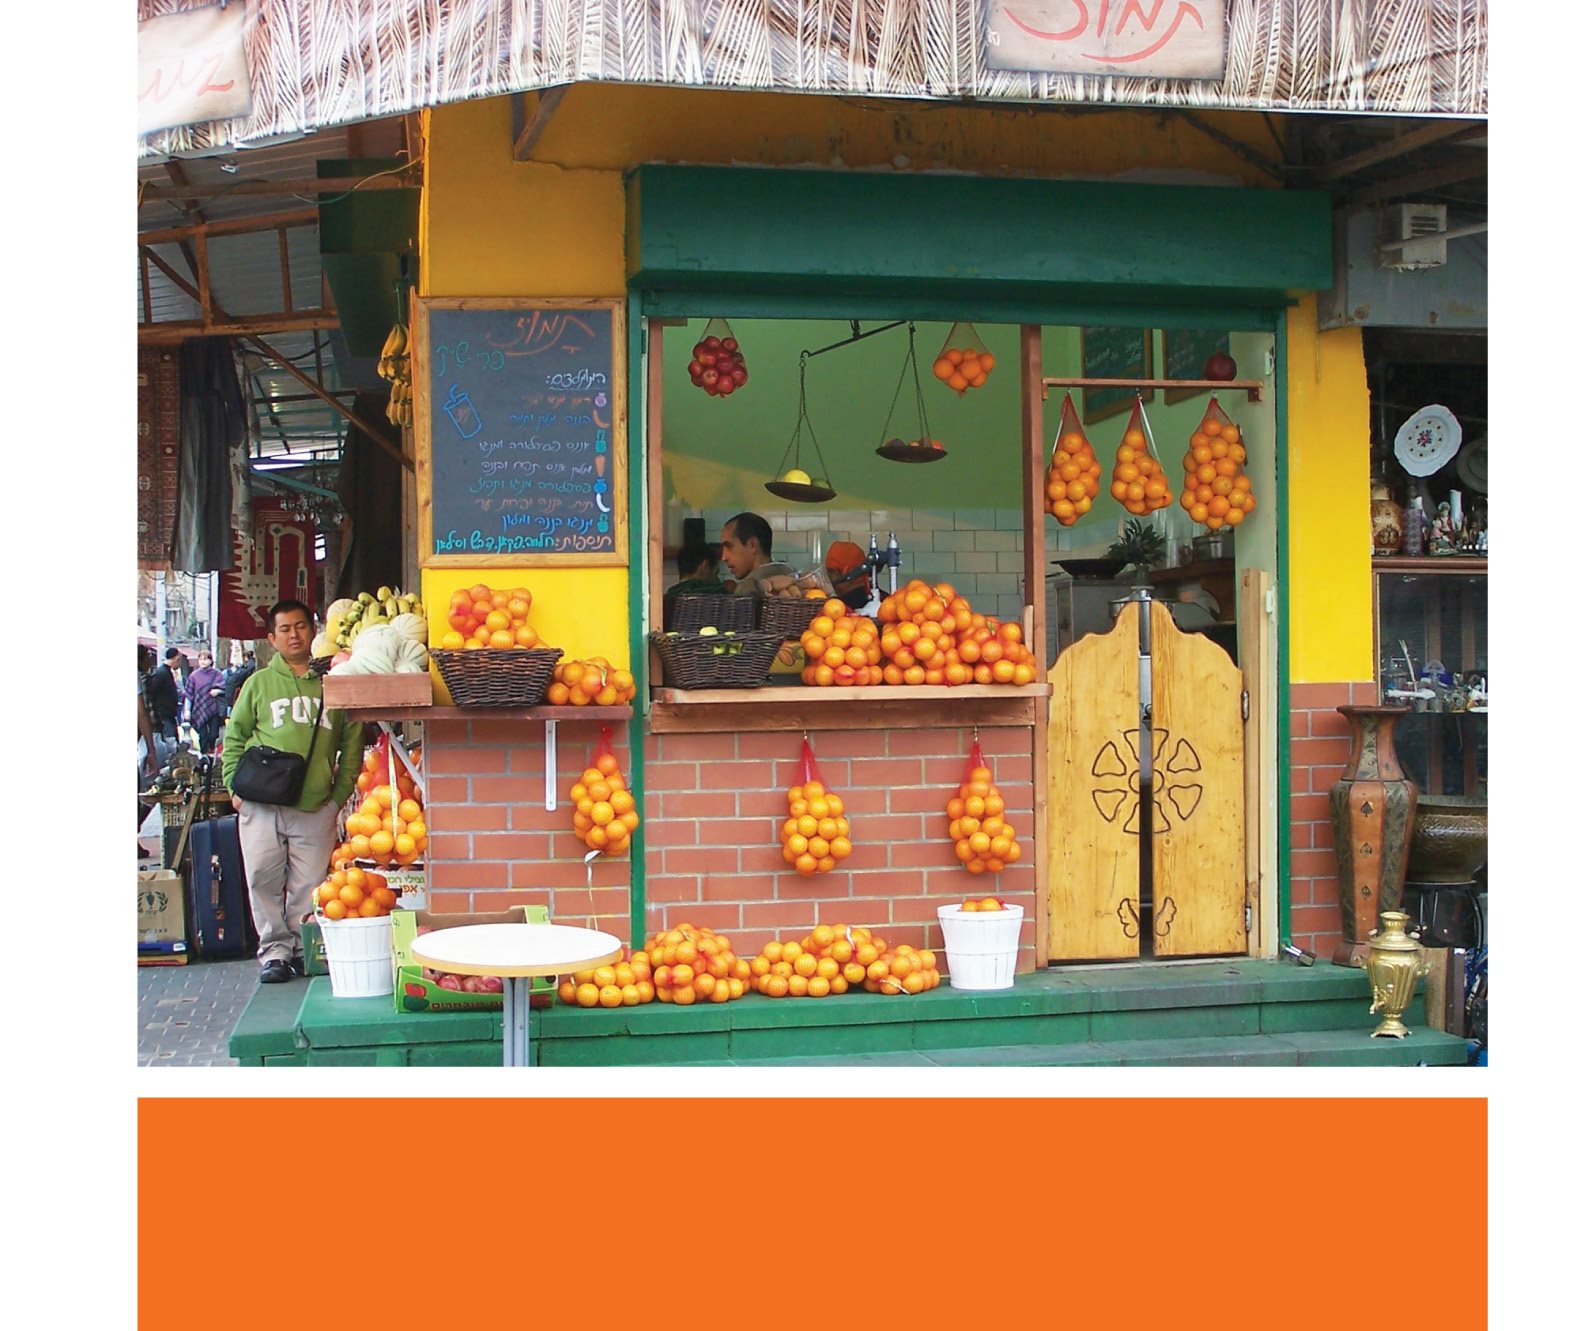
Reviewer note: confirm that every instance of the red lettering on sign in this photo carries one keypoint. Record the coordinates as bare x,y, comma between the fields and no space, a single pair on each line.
159,89
1062,35
1148,23
1178,18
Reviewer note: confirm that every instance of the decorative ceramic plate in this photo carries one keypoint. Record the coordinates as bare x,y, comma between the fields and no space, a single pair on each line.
1473,464
1428,440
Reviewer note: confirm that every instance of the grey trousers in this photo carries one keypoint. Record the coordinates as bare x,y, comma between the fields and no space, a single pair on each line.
286,856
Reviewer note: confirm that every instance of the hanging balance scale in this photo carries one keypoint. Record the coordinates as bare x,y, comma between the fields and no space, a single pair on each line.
923,447
795,483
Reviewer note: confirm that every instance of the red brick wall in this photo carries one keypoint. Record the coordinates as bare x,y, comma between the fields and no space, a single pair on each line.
1319,749
493,845
715,804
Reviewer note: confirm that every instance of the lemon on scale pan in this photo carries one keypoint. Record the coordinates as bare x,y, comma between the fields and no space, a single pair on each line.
801,488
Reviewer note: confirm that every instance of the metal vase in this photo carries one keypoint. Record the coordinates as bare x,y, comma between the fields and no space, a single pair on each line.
1372,807
1394,965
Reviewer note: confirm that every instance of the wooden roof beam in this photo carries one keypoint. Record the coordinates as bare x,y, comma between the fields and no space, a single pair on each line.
241,188
173,235
526,132
1440,131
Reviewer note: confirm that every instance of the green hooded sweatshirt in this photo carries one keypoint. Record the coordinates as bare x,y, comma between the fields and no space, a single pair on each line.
277,707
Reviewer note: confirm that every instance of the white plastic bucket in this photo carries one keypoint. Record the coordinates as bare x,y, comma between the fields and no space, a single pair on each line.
359,956
981,945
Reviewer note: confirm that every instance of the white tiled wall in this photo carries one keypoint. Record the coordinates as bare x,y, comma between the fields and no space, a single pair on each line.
978,550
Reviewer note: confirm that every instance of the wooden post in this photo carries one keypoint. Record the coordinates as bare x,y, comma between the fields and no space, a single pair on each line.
1033,462
282,263
202,276
1257,674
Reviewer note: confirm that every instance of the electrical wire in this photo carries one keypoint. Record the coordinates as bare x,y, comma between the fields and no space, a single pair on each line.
227,189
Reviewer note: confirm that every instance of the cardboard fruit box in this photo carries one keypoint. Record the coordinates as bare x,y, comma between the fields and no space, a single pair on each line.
408,690
160,908
412,992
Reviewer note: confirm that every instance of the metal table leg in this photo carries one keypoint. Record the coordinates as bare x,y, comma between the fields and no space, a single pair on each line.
517,1022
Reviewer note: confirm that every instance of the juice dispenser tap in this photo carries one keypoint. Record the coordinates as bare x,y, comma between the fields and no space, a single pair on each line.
893,561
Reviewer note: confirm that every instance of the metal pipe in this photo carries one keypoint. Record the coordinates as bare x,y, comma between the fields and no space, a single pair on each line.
1455,233
856,337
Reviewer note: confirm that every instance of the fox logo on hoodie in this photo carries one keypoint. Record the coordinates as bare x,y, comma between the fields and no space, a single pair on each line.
302,710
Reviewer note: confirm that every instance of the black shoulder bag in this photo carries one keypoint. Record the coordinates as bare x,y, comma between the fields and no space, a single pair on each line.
265,775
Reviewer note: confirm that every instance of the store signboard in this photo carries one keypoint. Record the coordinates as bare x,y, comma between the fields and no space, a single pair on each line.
191,68
1152,39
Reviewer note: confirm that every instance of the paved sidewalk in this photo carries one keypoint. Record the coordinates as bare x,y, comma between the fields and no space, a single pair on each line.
186,1013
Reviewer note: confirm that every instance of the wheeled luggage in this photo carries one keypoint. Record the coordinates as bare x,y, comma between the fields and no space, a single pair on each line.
219,921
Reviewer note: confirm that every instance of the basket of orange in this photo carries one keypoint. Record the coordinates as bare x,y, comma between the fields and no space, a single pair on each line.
491,655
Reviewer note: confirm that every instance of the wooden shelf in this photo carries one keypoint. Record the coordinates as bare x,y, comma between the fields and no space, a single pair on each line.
883,707
490,713
1430,563
1252,387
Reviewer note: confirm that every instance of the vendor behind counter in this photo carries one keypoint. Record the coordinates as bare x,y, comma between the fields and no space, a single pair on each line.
697,566
745,543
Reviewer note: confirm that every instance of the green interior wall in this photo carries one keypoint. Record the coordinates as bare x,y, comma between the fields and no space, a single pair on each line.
720,451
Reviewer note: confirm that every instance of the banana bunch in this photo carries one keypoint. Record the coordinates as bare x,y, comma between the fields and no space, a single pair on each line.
394,365
348,618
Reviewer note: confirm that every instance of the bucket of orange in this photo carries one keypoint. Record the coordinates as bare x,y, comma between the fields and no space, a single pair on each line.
352,908
981,936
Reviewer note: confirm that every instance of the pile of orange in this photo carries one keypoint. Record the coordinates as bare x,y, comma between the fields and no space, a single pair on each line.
1138,480
354,893
835,958
605,810
389,826
816,835
577,683
483,616
1217,492
963,368
1074,479
842,649
932,636
982,840
683,965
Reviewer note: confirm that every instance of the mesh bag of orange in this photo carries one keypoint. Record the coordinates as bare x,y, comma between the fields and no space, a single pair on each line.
1074,479
964,361
1138,480
816,835
982,838
605,810
1217,492
388,824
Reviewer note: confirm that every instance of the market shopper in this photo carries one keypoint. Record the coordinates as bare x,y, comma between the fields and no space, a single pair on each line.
235,681
203,694
162,696
745,543
286,847
696,566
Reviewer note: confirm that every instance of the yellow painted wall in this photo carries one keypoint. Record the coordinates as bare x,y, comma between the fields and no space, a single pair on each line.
488,230
1330,569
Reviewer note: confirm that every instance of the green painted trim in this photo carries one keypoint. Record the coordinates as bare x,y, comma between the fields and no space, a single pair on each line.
1233,311
861,234
1281,593
636,731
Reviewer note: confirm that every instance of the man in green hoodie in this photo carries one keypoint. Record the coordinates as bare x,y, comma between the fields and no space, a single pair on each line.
286,847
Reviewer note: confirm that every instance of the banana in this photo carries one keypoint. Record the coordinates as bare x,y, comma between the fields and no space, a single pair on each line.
382,593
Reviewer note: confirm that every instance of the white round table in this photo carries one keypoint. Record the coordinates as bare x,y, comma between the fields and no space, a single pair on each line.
515,953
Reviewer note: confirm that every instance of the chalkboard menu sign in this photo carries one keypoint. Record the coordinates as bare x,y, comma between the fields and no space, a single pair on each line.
520,413
1113,353
1185,352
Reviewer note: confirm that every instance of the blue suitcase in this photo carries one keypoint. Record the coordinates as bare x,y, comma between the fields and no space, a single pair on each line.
219,921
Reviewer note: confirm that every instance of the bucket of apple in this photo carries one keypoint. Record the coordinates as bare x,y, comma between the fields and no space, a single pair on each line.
980,936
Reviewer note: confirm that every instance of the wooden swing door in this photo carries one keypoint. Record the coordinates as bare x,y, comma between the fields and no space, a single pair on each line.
1180,702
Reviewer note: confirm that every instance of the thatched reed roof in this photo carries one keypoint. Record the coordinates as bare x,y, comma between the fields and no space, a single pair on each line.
326,62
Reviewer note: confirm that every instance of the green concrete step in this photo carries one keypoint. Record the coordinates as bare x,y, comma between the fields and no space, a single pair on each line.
1352,1048
268,1030
1223,1011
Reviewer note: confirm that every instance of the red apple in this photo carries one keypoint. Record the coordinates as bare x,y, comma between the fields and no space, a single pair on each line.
1220,365
729,343
711,377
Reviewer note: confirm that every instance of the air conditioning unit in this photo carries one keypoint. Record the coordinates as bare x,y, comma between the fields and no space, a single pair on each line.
1406,236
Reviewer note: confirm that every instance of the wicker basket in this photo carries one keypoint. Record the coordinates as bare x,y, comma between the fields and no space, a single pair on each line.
497,677
788,616
691,611
741,662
